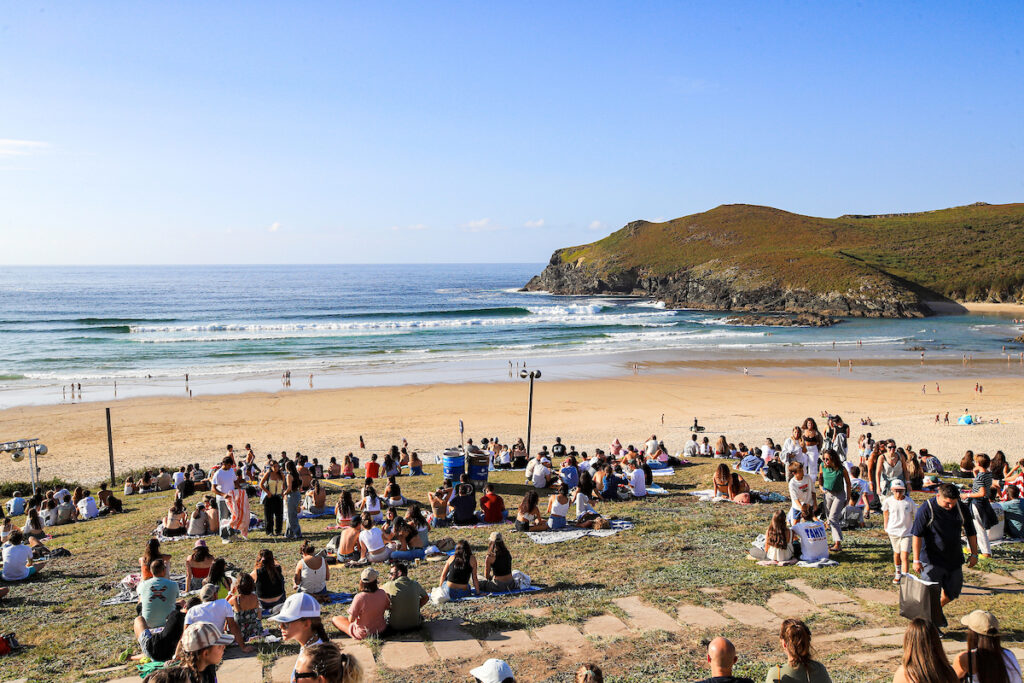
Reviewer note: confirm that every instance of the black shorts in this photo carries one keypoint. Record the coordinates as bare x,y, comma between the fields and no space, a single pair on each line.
951,580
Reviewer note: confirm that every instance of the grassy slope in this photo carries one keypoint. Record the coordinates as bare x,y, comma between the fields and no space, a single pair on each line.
962,252
679,547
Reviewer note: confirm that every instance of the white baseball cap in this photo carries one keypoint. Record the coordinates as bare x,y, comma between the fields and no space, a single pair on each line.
898,484
493,671
298,606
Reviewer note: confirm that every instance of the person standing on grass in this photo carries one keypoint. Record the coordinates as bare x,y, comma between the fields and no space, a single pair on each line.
834,480
272,484
977,500
898,513
924,660
721,659
293,498
936,541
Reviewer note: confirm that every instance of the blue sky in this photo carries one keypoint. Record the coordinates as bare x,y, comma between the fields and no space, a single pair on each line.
190,132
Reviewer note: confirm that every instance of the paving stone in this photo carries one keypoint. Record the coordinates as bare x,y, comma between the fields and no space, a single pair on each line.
974,591
820,596
604,625
509,642
241,670
710,591
538,612
564,636
398,654
751,615
281,672
789,605
643,616
451,642
879,597
1019,574
362,654
700,617
858,634
96,672
876,656
884,641
990,580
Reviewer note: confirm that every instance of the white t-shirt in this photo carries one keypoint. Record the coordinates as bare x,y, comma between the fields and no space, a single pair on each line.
691,449
860,485
215,612
813,542
901,515
373,539
705,448
15,557
224,479
801,492
652,446
638,483
540,476
59,496
178,478
87,508
505,457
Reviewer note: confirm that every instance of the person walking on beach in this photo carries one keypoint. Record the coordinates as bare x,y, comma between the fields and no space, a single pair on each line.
945,420
923,392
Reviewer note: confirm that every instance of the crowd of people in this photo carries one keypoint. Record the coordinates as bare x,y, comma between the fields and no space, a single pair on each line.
218,607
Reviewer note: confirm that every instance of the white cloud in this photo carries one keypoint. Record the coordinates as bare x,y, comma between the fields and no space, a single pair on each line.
596,225
539,223
415,227
19,148
481,225
274,227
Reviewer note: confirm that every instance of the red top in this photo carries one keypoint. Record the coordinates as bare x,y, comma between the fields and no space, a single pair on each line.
373,469
492,505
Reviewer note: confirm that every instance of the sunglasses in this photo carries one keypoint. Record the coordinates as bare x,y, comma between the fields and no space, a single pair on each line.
298,675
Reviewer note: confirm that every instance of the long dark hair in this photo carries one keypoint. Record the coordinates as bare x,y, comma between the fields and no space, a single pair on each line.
463,555
345,505
586,484
497,549
265,561
988,657
924,660
529,502
415,516
218,573
200,554
294,483
776,537
152,551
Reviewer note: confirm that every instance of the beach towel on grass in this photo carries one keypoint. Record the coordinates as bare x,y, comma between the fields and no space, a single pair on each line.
663,472
655,490
572,533
127,589
500,594
328,511
1006,539
817,565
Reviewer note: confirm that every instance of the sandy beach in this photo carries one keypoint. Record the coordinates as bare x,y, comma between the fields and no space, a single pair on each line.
587,413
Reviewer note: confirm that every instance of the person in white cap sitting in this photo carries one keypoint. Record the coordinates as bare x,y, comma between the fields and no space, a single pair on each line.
366,617
300,620
898,512
985,659
494,671
200,651
216,611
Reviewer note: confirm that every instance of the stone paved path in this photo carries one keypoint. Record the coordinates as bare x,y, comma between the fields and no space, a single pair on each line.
643,616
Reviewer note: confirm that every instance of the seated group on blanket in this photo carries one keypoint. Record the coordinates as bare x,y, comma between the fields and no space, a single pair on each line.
54,508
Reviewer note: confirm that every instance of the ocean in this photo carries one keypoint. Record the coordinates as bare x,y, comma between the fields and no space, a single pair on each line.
241,327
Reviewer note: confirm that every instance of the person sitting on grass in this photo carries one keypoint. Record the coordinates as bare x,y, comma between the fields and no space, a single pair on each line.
367,615
1013,508
721,659
924,660
459,570
812,536
898,513
248,611
537,472
372,545
348,540
152,552
371,504
492,506
333,468
393,493
66,511
174,522
16,505
200,651
18,562
493,671
311,572
610,484
407,598
528,517
752,462
34,527
730,485
197,565
160,644
87,508
498,566
985,660
409,544
463,505
198,522
316,498
218,612
6,527
778,540
268,577
325,663
801,490
795,640
157,596
558,507
218,577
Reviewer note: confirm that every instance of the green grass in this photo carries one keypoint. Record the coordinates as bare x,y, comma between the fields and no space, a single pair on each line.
965,253
678,547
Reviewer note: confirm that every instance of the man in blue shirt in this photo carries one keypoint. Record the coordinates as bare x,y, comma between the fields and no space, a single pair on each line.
938,555
16,505
752,462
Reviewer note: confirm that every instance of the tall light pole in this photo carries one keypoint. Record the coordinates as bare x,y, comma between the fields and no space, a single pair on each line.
532,374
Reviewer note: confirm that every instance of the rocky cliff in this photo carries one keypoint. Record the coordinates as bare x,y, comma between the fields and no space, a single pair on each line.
748,258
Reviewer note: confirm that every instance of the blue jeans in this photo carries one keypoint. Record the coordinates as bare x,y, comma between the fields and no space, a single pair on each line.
416,472
292,529
456,593
556,522
414,554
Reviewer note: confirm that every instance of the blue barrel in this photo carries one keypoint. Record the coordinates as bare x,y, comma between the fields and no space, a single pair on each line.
478,466
453,466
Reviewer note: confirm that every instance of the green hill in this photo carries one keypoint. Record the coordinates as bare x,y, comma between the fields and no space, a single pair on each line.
744,257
